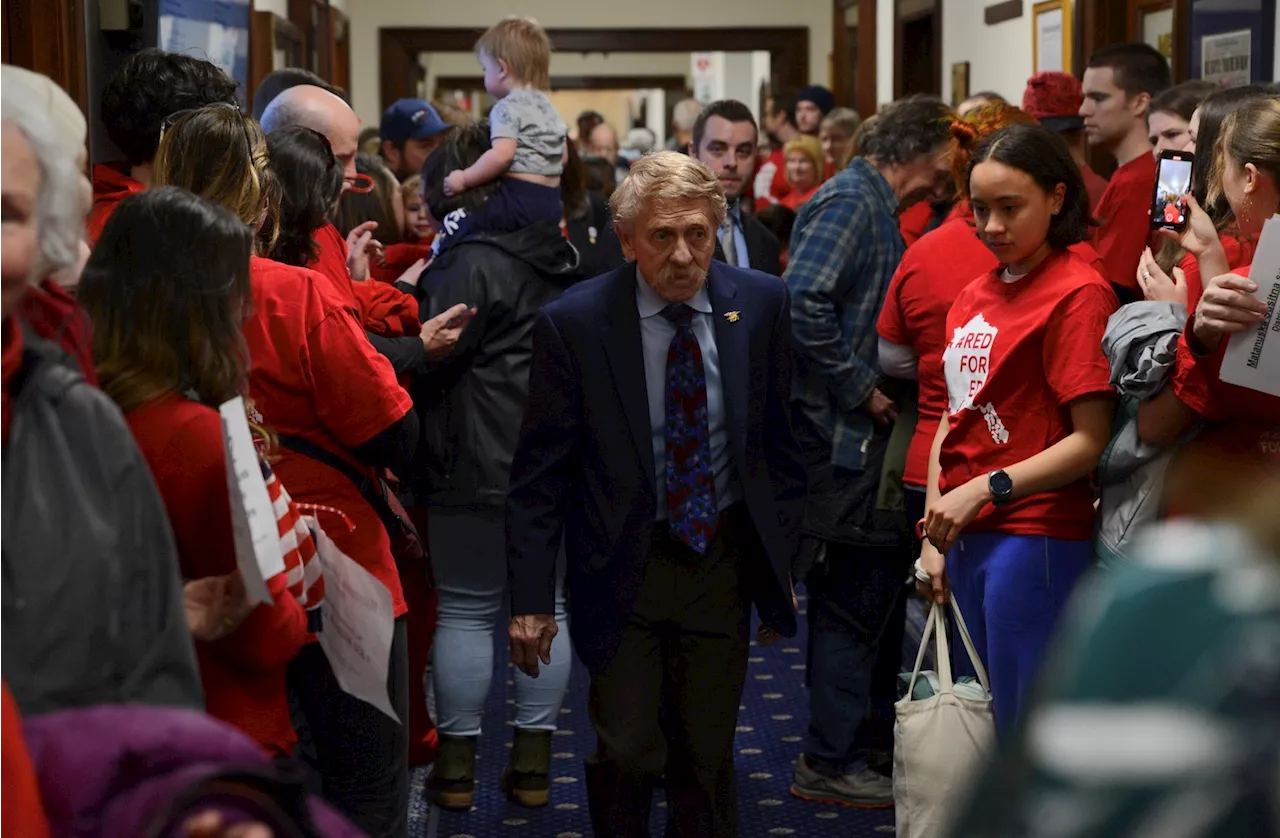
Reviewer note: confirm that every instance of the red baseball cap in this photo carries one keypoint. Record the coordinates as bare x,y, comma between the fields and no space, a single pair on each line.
1054,99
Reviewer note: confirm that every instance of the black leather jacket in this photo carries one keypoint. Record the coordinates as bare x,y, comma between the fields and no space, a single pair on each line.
472,404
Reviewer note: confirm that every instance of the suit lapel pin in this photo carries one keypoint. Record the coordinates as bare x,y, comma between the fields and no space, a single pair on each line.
732,316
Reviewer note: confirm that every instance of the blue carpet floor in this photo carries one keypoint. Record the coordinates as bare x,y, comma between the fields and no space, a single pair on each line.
771,727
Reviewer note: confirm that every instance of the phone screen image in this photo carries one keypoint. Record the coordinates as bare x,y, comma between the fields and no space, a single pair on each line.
1173,181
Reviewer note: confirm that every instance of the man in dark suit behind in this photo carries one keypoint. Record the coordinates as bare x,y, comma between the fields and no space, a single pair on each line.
657,443
725,139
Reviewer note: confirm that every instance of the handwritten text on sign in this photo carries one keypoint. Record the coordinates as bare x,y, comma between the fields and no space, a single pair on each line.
358,625
1252,357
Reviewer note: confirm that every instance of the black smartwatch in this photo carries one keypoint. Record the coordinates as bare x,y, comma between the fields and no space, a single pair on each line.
1001,486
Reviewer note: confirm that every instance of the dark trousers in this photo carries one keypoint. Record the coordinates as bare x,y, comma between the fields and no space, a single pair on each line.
855,597
359,753
666,707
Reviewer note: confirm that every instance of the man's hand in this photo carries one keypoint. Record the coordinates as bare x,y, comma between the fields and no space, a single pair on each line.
881,408
360,246
531,636
440,334
215,605
411,276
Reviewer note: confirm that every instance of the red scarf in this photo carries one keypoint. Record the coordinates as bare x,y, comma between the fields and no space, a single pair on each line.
12,363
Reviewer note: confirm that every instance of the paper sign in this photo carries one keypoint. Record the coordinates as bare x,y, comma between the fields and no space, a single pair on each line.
1252,358
253,518
1225,58
358,625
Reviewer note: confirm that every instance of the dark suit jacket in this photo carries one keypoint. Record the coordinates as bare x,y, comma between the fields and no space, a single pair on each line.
583,466
763,250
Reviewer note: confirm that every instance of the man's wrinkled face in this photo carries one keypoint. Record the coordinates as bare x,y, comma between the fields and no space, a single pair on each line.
672,242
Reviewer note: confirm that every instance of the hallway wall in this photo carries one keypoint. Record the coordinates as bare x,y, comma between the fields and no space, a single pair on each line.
367,16
999,56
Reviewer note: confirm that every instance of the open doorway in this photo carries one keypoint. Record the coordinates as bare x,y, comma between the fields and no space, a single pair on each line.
917,57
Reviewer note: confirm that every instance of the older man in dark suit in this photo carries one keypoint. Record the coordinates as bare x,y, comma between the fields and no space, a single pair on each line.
657,443
725,139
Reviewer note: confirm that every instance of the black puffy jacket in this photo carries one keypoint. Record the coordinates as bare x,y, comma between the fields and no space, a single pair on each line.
471,405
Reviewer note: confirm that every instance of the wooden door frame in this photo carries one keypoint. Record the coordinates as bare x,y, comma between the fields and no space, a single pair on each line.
788,47
863,98
1181,61
897,46
267,32
50,38
668,83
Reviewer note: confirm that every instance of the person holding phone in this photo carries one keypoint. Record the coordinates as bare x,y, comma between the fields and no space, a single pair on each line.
1009,509
1172,274
1244,432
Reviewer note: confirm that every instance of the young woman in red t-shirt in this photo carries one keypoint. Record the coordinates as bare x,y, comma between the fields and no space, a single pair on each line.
913,320
1243,437
167,288
1009,509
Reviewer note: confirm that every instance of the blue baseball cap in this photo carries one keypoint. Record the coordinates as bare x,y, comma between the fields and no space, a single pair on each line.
410,119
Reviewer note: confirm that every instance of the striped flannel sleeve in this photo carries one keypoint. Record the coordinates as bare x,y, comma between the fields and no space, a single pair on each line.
828,250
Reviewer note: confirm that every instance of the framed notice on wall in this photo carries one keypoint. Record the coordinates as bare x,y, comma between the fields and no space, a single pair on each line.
1051,36
1225,57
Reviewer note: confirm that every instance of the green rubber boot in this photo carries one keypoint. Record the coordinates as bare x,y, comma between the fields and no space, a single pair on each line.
452,784
526,779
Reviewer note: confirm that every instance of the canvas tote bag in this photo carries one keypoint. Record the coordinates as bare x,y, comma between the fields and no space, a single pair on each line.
940,743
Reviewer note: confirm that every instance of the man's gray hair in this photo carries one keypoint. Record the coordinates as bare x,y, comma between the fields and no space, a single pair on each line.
666,176
59,212
685,114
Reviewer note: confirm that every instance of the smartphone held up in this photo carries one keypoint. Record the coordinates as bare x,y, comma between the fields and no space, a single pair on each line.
1169,207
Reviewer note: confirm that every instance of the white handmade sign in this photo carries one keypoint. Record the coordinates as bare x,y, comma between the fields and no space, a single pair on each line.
253,519
1252,358
358,625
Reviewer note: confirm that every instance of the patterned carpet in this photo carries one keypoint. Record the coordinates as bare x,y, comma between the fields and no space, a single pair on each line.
771,728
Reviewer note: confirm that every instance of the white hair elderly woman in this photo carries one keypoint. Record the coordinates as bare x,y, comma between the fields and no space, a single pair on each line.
92,609
46,305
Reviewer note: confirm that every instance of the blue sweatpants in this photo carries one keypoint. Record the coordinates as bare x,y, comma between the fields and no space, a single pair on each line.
1011,589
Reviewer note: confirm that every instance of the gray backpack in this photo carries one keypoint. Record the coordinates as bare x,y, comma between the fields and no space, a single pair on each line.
92,600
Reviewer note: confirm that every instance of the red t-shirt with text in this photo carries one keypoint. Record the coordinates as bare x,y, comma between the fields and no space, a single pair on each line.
1125,225
931,275
1018,354
315,375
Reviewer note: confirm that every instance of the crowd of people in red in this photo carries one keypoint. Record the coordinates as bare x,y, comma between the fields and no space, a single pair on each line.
966,272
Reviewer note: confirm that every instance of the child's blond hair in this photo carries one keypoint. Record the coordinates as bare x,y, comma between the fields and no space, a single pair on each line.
524,45
411,189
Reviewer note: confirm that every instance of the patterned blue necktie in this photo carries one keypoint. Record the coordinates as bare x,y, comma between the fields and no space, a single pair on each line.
691,491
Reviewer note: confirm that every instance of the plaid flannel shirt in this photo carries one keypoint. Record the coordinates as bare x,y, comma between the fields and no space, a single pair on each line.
843,253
